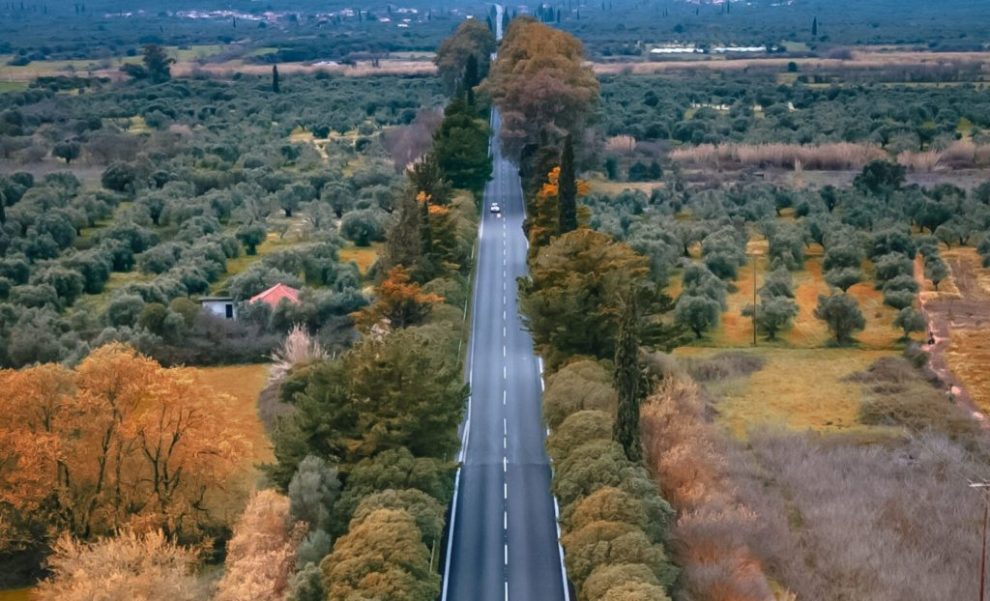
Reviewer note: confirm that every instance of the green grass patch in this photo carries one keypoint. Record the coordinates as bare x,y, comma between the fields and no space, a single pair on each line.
6,87
795,46
195,52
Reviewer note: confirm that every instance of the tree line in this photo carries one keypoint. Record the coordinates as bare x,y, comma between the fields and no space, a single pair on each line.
613,521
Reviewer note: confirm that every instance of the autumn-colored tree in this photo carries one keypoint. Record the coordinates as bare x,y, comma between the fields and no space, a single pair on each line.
604,543
119,441
543,212
541,84
398,300
425,510
122,568
262,553
382,557
472,38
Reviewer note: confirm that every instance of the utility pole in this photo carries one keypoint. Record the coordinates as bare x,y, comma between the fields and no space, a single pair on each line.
985,487
754,300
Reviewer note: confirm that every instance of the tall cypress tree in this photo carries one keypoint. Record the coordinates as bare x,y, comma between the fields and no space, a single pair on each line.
567,190
629,382
275,85
814,27
471,78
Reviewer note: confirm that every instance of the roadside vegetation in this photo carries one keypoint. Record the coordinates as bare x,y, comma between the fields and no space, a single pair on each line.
366,391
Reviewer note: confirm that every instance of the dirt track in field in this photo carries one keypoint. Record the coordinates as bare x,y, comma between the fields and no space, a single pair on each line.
959,323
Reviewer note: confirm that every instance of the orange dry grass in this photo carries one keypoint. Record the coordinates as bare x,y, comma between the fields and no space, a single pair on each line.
839,155
685,454
807,331
968,357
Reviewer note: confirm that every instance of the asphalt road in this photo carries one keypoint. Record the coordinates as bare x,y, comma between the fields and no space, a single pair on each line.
503,531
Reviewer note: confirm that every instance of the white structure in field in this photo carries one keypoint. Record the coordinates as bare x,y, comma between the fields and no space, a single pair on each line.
219,306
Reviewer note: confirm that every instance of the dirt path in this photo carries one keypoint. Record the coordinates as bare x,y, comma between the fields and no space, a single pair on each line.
962,304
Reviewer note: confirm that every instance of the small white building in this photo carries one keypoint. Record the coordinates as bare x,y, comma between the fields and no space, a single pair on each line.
219,306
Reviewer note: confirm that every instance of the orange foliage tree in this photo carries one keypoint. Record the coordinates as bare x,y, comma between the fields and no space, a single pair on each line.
542,212
262,553
120,441
541,84
399,300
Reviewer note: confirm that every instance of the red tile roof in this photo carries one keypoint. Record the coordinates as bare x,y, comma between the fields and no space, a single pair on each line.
275,294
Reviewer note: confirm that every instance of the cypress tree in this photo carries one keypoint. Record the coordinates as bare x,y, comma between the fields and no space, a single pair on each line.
814,27
425,231
275,86
471,78
629,382
567,190
403,241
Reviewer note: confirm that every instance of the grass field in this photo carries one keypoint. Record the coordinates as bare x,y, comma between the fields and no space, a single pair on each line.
244,383
364,257
800,389
12,86
614,188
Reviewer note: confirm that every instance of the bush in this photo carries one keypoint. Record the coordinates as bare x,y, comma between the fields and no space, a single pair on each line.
581,385
577,429
129,566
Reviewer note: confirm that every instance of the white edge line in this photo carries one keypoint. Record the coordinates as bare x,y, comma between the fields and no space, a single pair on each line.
450,534
467,420
560,551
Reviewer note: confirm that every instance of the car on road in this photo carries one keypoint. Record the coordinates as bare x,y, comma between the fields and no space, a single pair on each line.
495,209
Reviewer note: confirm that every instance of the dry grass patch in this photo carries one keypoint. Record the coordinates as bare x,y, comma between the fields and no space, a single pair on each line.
244,383
807,330
799,389
365,257
969,358
615,188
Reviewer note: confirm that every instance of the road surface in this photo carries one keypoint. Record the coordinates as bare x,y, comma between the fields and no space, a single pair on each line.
503,538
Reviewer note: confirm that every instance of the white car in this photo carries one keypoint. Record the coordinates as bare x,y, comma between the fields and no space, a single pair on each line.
495,209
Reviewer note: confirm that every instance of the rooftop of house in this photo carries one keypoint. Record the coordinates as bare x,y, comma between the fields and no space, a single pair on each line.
274,295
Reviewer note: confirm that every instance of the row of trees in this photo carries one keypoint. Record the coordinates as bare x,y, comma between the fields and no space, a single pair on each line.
613,521
364,452
753,109
872,230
